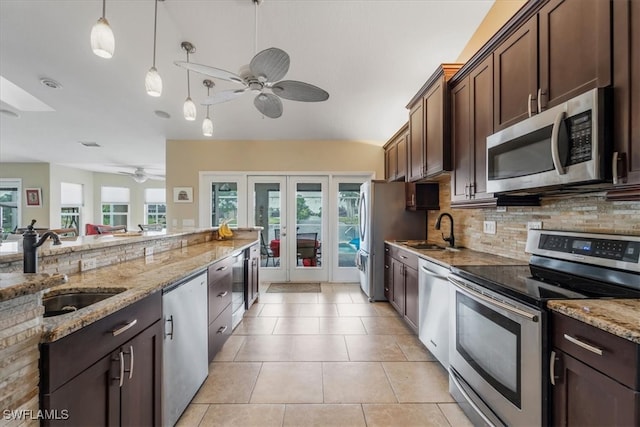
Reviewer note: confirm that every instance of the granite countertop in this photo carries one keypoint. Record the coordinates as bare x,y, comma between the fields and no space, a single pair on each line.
620,317
136,279
461,256
13,285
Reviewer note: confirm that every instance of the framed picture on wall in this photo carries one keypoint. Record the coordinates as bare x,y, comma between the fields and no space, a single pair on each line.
34,197
182,194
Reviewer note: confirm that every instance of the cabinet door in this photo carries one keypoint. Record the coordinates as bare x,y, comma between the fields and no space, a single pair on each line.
516,76
575,48
391,162
402,156
92,398
388,277
411,297
582,396
397,291
437,157
461,140
142,387
416,142
626,45
481,81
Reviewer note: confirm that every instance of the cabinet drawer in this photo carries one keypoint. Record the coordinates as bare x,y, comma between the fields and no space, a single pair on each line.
74,353
219,331
219,269
407,258
619,359
220,294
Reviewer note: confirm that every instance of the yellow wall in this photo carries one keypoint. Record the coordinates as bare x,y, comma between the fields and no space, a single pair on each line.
185,159
33,175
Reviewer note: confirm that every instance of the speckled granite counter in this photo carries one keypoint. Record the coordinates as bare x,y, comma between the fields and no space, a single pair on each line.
617,316
463,256
13,285
136,279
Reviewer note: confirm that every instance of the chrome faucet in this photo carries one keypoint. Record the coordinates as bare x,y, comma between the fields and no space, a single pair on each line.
30,245
451,239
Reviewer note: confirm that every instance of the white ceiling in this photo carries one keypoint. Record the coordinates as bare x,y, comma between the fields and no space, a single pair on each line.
371,56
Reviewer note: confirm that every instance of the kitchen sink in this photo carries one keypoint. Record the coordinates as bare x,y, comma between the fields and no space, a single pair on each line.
425,246
56,305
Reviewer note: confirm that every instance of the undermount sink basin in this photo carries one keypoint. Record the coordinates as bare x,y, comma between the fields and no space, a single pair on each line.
425,246
56,305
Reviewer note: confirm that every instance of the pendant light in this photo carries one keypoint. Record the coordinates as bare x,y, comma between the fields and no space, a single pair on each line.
152,81
207,124
189,108
102,41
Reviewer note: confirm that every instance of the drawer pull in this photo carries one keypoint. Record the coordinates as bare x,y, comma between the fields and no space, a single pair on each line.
404,257
584,345
224,267
223,294
222,329
124,328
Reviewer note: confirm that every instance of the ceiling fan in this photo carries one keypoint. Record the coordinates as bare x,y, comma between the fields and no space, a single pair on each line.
140,176
263,73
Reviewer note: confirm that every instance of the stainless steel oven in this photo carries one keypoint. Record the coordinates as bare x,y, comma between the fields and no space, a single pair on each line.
499,351
565,145
495,352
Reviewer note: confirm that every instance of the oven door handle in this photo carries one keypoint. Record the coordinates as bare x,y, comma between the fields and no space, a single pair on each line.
555,142
491,301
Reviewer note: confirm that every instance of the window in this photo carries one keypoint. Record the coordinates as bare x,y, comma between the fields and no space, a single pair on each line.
115,205
71,201
9,206
224,203
155,206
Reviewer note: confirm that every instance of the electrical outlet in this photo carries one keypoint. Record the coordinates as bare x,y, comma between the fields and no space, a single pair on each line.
534,225
489,227
501,209
148,251
87,264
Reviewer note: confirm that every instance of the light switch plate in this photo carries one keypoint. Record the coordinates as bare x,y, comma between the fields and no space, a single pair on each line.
489,227
534,225
148,251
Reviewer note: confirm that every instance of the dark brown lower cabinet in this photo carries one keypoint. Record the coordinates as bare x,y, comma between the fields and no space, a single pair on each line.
220,284
401,283
596,379
108,373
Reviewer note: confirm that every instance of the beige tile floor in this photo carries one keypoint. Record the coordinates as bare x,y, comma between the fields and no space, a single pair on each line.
323,359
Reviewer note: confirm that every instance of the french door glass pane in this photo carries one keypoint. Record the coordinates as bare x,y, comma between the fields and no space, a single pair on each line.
8,208
348,241
267,202
308,223
224,203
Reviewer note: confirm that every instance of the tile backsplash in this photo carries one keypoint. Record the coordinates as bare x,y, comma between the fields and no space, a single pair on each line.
588,213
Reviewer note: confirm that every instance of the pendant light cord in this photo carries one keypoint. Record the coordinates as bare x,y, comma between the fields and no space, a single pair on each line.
155,26
208,89
104,8
255,41
188,81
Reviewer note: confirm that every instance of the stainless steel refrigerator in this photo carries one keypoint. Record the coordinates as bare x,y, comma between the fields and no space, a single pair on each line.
383,217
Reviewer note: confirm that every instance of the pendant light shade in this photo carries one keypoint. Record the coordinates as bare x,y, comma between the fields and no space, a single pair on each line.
207,127
103,43
189,109
153,82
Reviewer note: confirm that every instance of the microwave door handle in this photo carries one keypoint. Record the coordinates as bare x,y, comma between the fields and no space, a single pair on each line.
555,141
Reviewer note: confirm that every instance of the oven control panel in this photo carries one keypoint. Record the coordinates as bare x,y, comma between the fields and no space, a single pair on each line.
617,250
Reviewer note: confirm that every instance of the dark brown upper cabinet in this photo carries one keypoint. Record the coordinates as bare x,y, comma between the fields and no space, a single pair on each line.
395,155
429,147
560,52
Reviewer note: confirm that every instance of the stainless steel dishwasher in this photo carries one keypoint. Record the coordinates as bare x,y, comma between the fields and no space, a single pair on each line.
433,309
185,345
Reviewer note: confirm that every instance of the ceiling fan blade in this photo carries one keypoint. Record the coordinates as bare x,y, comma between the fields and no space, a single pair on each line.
299,91
223,96
211,71
271,64
268,104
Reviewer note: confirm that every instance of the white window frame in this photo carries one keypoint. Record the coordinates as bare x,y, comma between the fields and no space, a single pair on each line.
14,183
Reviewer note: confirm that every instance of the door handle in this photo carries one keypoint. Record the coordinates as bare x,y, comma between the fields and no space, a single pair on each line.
540,93
555,141
552,368
223,294
170,334
222,329
121,377
529,104
131,365
221,268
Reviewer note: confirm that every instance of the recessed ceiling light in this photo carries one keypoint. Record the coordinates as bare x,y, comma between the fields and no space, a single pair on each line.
162,114
9,113
50,83
90,144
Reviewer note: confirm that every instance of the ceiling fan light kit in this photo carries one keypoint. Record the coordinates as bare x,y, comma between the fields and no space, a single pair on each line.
153,81
102,40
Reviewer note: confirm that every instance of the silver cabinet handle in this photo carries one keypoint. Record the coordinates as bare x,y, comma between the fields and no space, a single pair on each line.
131,366
223,294
404,257
614,168
588,347
431,273
555,141
121,377
127,326
224,267
552,368
540,93
222,329
170,334
529,104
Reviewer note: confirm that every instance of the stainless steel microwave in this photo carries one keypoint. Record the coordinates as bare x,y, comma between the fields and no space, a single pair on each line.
563,146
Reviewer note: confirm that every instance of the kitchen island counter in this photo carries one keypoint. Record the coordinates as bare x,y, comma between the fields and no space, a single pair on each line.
617,316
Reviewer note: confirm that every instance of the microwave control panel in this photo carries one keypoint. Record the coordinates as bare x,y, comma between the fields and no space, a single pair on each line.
580,130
